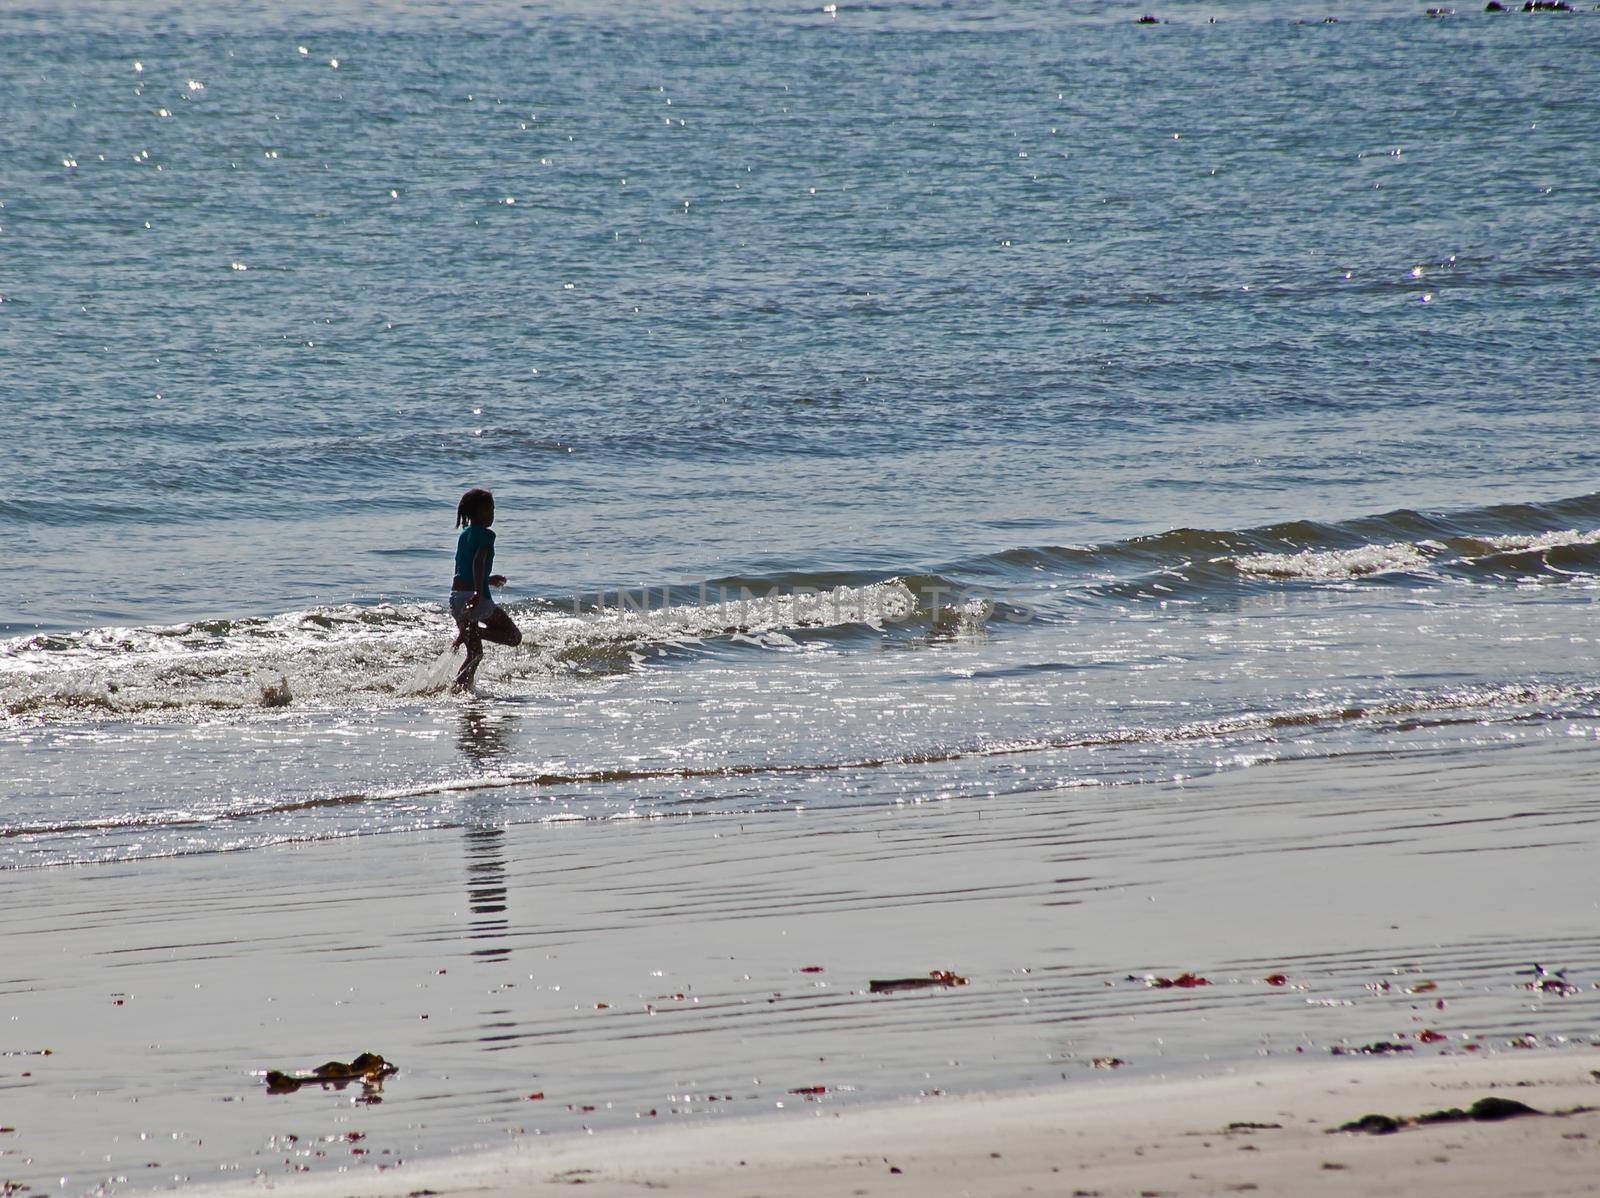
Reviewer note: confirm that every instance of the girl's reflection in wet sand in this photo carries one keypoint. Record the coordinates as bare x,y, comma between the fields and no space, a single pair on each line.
484,738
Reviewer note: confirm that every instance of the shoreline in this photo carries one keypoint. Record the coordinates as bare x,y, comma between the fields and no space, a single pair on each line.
1166,1136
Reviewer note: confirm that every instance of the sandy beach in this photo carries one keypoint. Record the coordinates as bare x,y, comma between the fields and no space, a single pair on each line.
569,984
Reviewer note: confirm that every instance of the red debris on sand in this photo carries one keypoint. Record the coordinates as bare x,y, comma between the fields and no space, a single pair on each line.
810,1090
1276,979
1551,986
536,1096
811,969
1184,981
1431,1037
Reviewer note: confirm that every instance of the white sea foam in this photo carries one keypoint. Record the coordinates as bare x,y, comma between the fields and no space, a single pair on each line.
1539,542
758,618
1334,564
338,655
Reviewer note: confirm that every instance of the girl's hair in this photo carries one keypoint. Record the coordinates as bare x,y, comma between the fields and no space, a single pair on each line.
473,505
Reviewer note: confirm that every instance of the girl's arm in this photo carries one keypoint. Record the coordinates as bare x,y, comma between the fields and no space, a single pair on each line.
480,564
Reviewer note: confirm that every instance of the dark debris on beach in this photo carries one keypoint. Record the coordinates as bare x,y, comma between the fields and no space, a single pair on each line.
369,1068
1485,1110
936,978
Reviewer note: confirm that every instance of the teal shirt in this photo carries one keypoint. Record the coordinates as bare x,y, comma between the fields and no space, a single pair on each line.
473,538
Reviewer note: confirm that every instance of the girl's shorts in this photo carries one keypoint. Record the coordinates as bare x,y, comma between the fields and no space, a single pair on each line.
463,609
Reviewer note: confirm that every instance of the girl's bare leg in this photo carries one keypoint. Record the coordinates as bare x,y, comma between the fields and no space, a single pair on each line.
500,629
469,668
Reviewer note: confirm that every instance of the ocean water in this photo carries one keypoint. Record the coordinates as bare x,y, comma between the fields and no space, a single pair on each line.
914,401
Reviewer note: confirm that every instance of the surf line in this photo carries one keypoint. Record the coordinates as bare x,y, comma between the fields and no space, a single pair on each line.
1264,723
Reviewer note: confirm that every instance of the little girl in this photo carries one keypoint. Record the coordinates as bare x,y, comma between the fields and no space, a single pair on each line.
474,609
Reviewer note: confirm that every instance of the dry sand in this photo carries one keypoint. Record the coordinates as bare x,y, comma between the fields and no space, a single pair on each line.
1148,1137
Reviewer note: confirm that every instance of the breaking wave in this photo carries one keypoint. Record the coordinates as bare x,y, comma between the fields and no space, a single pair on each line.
397,651
1508,542
401,650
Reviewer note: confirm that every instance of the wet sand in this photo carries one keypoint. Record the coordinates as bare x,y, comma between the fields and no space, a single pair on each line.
537,981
